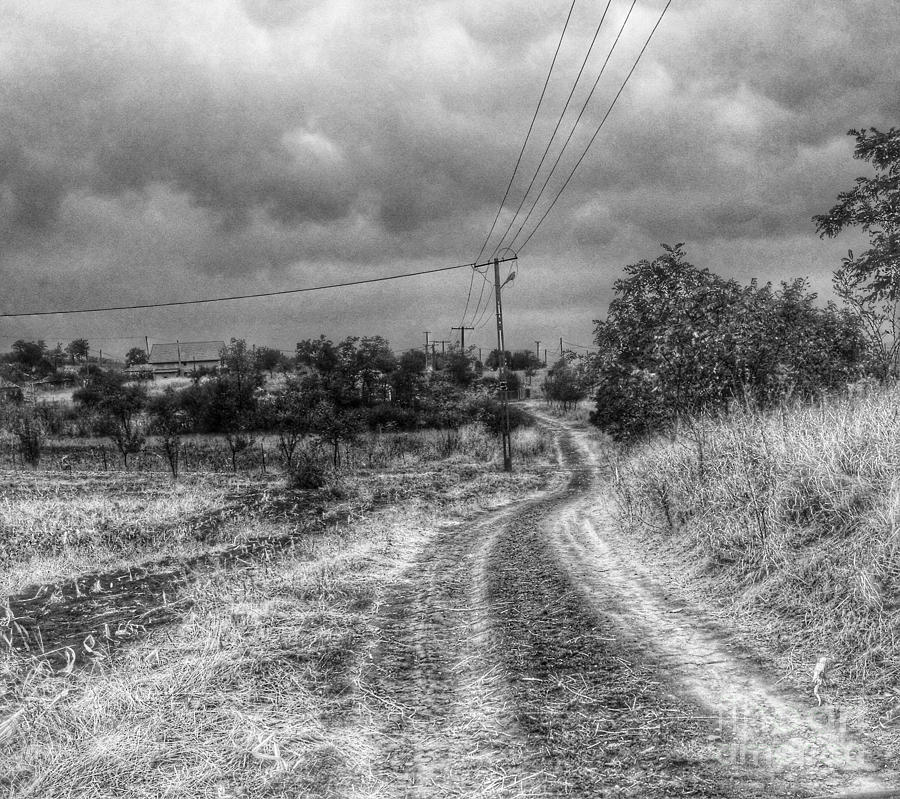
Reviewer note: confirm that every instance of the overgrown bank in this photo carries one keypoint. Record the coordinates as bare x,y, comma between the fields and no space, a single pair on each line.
791,515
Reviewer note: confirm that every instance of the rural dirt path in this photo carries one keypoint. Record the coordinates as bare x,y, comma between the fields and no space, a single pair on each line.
528,654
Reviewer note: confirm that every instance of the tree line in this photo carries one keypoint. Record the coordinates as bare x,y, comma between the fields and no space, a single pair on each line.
679,340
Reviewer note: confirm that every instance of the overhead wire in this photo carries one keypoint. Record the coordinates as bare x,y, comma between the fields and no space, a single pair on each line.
599,127
528,133
575,125
67,311
555,129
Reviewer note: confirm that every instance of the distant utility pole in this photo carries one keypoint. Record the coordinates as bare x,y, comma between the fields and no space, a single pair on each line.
537,349
462,336
504,395
442,343
560,347
147,345
427,333
545,356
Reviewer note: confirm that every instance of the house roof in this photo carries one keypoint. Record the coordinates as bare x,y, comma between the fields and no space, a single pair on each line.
190,351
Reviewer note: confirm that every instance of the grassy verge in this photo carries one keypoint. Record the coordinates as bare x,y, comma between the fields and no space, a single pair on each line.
794,517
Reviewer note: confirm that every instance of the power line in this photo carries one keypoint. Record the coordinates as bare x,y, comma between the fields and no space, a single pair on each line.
575,126
556,128
528,134
244,296
484,282
596,132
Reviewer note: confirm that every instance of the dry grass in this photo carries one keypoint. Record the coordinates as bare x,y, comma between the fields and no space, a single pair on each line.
63,526
800,509
257,692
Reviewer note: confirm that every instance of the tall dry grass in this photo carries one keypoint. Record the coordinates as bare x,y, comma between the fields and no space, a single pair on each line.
796,511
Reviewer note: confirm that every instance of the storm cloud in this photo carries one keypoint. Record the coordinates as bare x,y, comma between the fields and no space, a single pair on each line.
212,146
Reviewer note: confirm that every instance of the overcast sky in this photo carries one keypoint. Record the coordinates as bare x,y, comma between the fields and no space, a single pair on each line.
158,150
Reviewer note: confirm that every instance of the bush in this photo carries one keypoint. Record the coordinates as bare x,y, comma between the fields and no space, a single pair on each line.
391,417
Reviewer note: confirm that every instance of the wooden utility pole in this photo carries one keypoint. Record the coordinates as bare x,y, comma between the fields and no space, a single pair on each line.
442,342
462,336
504,395
427,333
537,349
560,347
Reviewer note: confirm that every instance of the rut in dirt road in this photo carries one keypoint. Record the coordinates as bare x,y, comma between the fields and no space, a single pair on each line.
490,677
518,656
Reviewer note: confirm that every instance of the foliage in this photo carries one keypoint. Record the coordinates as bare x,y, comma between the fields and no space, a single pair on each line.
136,356
870,282
520,360
567,382
78,350
169,421
678,340
31,357
119,412
289,413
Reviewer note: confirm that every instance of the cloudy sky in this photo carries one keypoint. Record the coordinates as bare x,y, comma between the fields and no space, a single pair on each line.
158,150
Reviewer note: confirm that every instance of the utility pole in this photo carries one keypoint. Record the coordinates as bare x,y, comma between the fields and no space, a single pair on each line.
427,333
545,356
560,347
462,336
504,395
442,343
537,349
147,345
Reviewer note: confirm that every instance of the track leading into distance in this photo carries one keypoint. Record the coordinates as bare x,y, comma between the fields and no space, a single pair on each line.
527,653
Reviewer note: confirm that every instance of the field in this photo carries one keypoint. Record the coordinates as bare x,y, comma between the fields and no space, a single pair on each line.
423,624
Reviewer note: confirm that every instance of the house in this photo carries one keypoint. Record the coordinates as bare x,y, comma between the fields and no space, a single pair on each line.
184,357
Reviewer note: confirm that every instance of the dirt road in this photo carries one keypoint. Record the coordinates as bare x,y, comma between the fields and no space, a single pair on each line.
529,654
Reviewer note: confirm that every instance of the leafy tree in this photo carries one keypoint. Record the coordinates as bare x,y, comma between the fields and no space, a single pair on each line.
32,356
408,381
169,421
678,340
136,356
870,282
567,383
120,417
335,426
289,412
269,359
78,350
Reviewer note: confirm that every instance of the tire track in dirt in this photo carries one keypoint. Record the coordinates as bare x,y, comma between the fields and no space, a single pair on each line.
443,699
492,678
525,654
787,744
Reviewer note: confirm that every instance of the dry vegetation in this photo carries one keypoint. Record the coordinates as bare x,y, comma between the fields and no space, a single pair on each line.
794,517
248,694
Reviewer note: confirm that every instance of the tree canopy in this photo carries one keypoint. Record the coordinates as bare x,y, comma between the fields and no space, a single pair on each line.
870,282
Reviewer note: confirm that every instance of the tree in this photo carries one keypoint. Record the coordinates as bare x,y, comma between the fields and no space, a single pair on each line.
120,418
290,413
566,383
870,282
136,356
78,350
31,356
169,421
678,340
269,359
